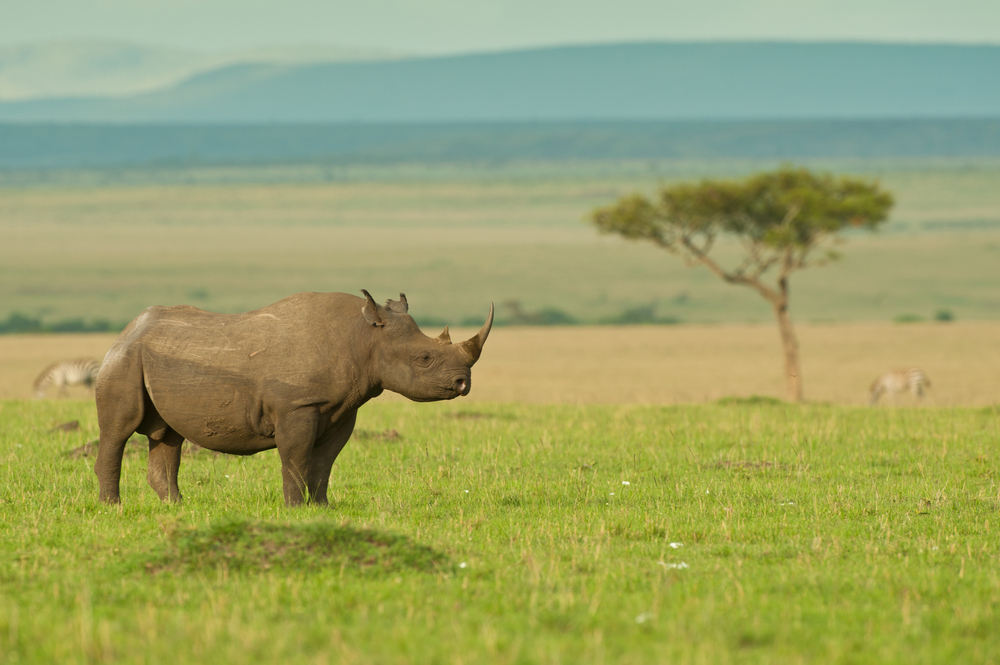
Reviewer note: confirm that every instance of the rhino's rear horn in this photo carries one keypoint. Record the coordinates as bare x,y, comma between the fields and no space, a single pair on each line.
474,345
444,337
398,306
370,311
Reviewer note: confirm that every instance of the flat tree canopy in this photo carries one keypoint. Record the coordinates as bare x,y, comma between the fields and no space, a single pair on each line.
785,220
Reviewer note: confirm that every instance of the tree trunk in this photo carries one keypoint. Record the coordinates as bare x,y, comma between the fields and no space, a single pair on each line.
793,376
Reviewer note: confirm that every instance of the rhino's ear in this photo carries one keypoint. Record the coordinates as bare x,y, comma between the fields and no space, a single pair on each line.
444,337
370,311
398,306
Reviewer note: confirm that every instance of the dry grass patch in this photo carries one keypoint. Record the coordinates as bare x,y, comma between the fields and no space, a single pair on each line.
24,357
663,364
692,364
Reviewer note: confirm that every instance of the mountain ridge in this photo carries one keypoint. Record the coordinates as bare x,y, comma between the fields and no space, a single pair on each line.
104,68
635,81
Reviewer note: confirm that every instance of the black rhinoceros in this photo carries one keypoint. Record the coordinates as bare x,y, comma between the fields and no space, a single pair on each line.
290,376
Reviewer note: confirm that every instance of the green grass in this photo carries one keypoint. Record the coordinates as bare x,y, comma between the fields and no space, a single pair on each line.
508,534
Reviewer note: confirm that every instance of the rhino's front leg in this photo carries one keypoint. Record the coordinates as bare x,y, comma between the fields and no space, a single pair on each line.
325,453
164,462
294,437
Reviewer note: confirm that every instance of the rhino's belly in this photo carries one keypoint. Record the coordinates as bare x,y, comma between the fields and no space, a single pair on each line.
218,415
225,437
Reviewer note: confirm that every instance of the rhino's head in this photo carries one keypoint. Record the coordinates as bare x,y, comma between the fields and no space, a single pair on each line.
419,367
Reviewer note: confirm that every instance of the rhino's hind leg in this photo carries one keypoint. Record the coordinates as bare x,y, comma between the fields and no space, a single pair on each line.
121,406
164,463
108,466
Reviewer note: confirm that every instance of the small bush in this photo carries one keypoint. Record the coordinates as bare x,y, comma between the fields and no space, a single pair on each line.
944,315
550,316
547,316
18,323
643,314
436,321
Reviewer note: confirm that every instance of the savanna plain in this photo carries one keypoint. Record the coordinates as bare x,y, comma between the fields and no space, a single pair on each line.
630,494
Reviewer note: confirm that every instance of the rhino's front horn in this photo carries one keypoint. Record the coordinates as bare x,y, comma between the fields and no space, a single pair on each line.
474,345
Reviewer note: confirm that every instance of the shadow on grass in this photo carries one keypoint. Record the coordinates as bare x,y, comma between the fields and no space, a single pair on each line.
255,546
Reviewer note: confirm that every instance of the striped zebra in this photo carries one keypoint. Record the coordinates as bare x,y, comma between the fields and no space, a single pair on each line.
79,372
897,381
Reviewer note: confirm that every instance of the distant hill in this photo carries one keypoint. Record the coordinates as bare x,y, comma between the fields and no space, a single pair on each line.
60,146
97,68
653,81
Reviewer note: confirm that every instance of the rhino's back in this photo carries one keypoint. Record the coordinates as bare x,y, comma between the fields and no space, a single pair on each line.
215,377
299,330
304,317
280,338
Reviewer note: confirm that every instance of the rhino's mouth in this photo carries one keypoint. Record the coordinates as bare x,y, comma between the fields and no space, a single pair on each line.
459,388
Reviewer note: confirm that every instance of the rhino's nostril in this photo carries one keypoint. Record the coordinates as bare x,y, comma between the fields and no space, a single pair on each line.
462,386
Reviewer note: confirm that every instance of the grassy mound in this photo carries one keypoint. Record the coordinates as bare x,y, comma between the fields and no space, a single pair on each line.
253,546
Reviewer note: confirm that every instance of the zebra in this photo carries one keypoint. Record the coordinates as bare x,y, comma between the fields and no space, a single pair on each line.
897,381
79,372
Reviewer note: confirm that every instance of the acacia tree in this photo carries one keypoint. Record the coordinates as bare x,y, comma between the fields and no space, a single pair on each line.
785,220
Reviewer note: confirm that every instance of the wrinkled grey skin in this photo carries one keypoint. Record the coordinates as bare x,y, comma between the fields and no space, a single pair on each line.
289,376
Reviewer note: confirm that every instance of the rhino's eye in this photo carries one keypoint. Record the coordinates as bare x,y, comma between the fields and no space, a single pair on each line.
423,359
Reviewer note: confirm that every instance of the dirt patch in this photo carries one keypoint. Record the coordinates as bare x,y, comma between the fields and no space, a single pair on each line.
468,415
477,415
369,435
747,464
71,426
753,400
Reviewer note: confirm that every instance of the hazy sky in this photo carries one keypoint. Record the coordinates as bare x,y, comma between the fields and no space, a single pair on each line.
448,26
